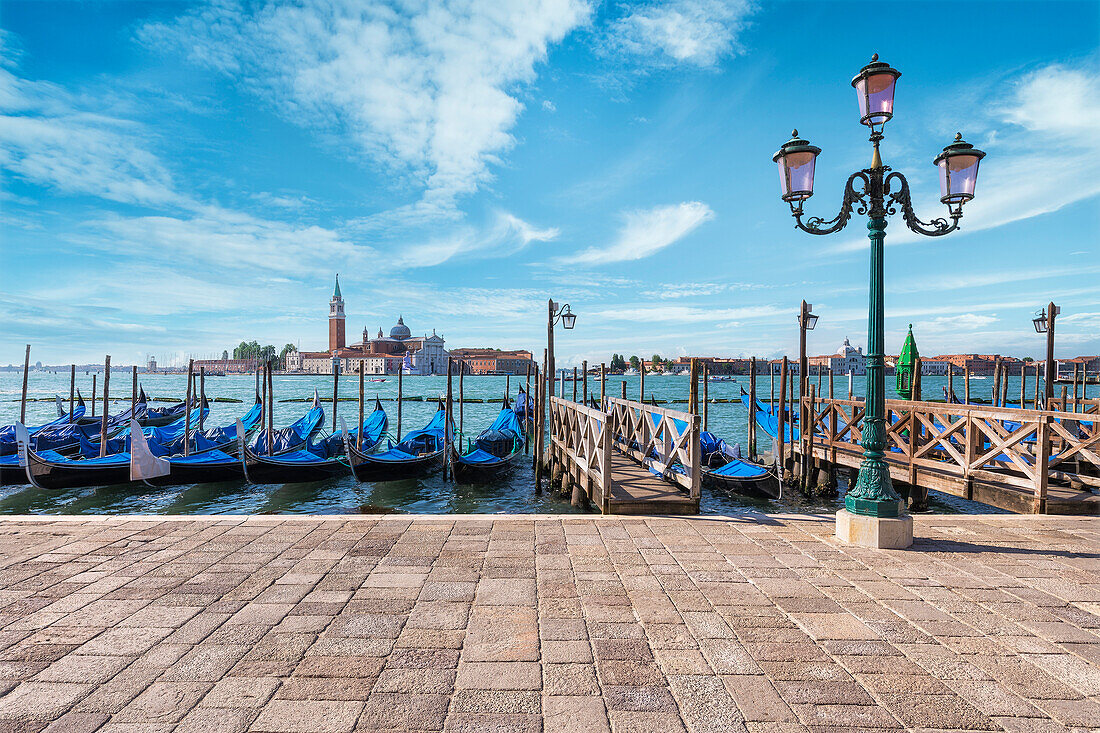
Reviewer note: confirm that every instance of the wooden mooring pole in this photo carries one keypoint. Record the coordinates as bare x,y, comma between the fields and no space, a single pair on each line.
462,400
72,390
641,386
603,385
401,390
26,373
706,394
966,384
270,409
781,419
106,406
574,384
335,390
359,427
584,376
133,391
752,409
450,406
202,394
187,409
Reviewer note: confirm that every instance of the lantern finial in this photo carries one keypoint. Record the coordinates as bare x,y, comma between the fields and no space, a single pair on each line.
874,57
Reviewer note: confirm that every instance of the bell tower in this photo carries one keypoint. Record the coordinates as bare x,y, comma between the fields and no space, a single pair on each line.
336,319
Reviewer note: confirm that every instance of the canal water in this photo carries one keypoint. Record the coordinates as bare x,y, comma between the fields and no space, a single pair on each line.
514,494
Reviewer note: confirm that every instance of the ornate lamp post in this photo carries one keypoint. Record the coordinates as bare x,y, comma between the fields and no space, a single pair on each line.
881,192
556,312
1044,323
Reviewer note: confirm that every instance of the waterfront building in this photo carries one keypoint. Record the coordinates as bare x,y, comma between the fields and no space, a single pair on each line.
494,361
227,366
383,354
715,365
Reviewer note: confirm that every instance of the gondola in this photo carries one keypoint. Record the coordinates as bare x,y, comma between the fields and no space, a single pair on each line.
724,468
8,445
420,453
49,469
138,410
214,455
315,461
493,452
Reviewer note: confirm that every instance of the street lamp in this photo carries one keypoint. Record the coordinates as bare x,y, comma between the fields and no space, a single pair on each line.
881,193
1044,323
568,319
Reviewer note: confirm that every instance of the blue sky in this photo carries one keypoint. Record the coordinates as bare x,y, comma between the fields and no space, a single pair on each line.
179,177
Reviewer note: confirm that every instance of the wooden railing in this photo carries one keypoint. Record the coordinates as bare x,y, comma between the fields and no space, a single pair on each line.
581,440
1083,405
936,444
665,440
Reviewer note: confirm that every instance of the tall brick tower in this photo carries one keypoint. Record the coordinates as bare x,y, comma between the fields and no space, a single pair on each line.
336,319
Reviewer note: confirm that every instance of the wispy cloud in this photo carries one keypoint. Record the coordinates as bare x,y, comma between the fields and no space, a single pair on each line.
427,91
647,232
674,32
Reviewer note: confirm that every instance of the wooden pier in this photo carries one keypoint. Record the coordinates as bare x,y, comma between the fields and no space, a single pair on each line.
1027,461
627,458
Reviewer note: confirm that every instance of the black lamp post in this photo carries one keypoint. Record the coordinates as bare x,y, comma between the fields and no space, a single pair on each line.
568,319
881,193
1044,323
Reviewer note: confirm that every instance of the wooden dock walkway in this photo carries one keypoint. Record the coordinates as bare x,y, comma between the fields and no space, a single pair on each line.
612,456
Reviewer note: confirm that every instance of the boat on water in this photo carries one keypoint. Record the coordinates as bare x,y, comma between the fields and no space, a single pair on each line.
493,452
214,456
49,469
725,469
315,461
8,445
418,454
722,378
376,380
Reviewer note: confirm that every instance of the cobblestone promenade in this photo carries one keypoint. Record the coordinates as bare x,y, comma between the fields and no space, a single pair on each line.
558,624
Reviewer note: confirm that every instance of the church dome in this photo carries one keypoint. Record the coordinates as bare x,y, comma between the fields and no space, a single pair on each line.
846,349
400,331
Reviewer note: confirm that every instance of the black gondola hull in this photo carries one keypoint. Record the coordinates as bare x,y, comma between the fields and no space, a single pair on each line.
207,473
48,475
272,470
367,469
480,473
762,487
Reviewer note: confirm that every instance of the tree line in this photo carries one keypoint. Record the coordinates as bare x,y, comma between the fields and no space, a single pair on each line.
620,363
264,354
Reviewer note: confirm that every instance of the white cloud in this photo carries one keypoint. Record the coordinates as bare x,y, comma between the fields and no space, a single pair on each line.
428,91
963,322
549,106
48,137
692,32
647,232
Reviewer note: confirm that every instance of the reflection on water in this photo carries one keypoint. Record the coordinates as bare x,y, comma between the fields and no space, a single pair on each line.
514,493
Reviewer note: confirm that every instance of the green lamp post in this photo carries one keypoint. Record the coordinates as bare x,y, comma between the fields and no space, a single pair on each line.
882,192
907,361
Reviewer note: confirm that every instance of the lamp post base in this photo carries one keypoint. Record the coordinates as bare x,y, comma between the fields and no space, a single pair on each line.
885,533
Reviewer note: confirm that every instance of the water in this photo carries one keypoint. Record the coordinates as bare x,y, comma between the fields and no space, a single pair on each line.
431,495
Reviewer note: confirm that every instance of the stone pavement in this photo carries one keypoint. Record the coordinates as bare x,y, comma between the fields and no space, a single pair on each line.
527,623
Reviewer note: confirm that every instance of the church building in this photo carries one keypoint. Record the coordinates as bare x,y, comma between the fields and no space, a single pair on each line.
383,354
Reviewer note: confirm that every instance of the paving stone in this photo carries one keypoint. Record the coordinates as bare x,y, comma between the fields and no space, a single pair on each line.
571,714
240,692
499,676
387,711
41,701
162,702
307,716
